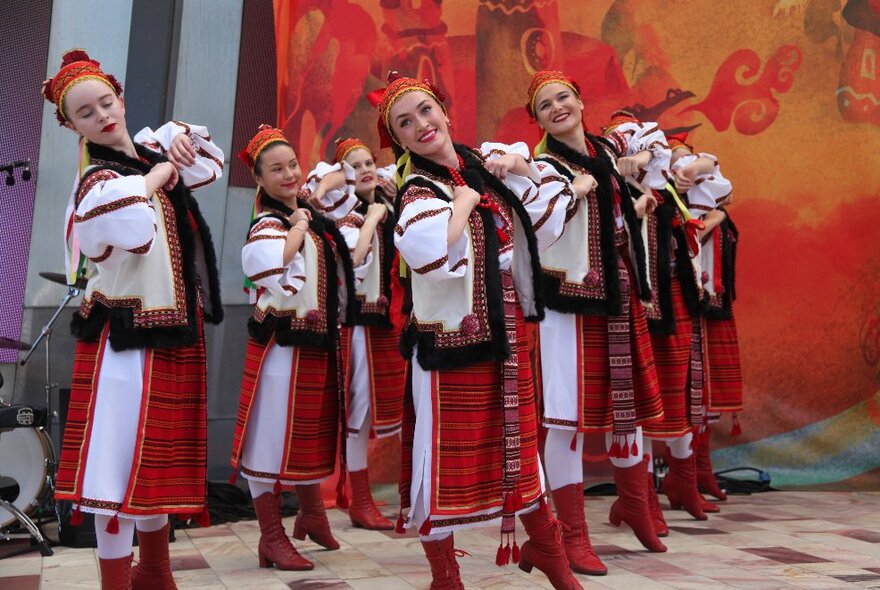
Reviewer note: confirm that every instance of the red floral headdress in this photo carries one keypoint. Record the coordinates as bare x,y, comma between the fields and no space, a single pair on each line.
384,99
76,66
541,79
266,135
346,146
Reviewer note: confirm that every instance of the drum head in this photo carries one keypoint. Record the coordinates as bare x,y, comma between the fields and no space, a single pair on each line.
23,456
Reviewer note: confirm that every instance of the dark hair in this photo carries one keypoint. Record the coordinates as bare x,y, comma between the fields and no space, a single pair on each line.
258,163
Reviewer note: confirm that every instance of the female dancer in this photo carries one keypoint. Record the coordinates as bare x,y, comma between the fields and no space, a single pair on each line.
465,229
375,369
699,177
596,361
134,448
289,414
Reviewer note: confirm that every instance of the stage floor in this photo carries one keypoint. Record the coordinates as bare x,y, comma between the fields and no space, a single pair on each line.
776,540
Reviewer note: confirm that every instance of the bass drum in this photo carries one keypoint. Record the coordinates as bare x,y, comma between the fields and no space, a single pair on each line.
26,456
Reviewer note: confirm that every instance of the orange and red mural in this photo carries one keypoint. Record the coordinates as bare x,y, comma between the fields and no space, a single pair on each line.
785,92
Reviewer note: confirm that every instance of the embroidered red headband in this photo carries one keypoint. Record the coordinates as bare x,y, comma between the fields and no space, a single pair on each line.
76,66
384,99
348,145
266,135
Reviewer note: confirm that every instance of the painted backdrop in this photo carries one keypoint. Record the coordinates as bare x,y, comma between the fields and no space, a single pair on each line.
784,92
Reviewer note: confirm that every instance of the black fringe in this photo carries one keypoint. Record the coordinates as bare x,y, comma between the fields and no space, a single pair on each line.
123,334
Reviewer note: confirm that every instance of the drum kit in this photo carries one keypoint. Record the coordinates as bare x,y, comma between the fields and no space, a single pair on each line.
27,457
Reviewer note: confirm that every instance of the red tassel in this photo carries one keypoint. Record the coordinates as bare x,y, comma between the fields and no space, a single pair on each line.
425,529
515,553
234,477
507,553
574,442
634,451
276,489
76,518
398,527
614,451
737,429
499,556
112,527
203,518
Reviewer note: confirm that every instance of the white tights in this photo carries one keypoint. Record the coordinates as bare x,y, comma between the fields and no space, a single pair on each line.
563,465
679,447
356,447
120,544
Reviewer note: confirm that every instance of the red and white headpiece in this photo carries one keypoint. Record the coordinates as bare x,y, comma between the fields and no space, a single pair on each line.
543,78
76,66
348,145
265,136
384,99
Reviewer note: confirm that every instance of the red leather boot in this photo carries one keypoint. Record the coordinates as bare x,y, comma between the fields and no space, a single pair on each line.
632,505
656,512
311,519
544,549
363,512
444,567
153,570
680,486
275,548
116,573
706,481
569,503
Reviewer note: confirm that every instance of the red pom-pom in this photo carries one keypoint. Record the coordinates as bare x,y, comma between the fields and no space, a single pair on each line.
514,555
470,325
112,527
74,55
425,529
382,302
76,518
398,527
592,278
704,277
614,451
393,75
276,489
499,556
313,317
634,451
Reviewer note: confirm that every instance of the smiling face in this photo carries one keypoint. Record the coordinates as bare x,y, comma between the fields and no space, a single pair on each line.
93,110
419,124
365,170
278,173
558,109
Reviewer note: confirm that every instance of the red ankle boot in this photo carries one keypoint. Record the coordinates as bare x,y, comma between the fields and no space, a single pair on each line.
311,519
706,481
544,549
116,573
275,548
569,503
632,505
656,512
680,486
444,567
153,570
363,512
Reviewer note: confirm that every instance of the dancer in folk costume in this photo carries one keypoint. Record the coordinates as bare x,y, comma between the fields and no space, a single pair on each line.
375,369
134,447
698,176
674,322
469,227
596,361
298,270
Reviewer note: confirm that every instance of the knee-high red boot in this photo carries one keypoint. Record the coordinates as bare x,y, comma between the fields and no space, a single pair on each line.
544,549
569,503
116,573
363,512
706,481
311,519
444,567
680,486
153,570
632,505
660,526
275,548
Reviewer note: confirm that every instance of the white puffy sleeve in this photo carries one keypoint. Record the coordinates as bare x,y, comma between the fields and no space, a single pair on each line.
642,137
209,158
420,236
262,259
111,218
545,194
350,228
337,203
710,190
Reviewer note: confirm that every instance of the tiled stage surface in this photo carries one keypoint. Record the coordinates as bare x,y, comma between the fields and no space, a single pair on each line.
777,540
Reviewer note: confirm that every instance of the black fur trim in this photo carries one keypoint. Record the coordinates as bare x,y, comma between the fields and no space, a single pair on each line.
123,334
382,320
